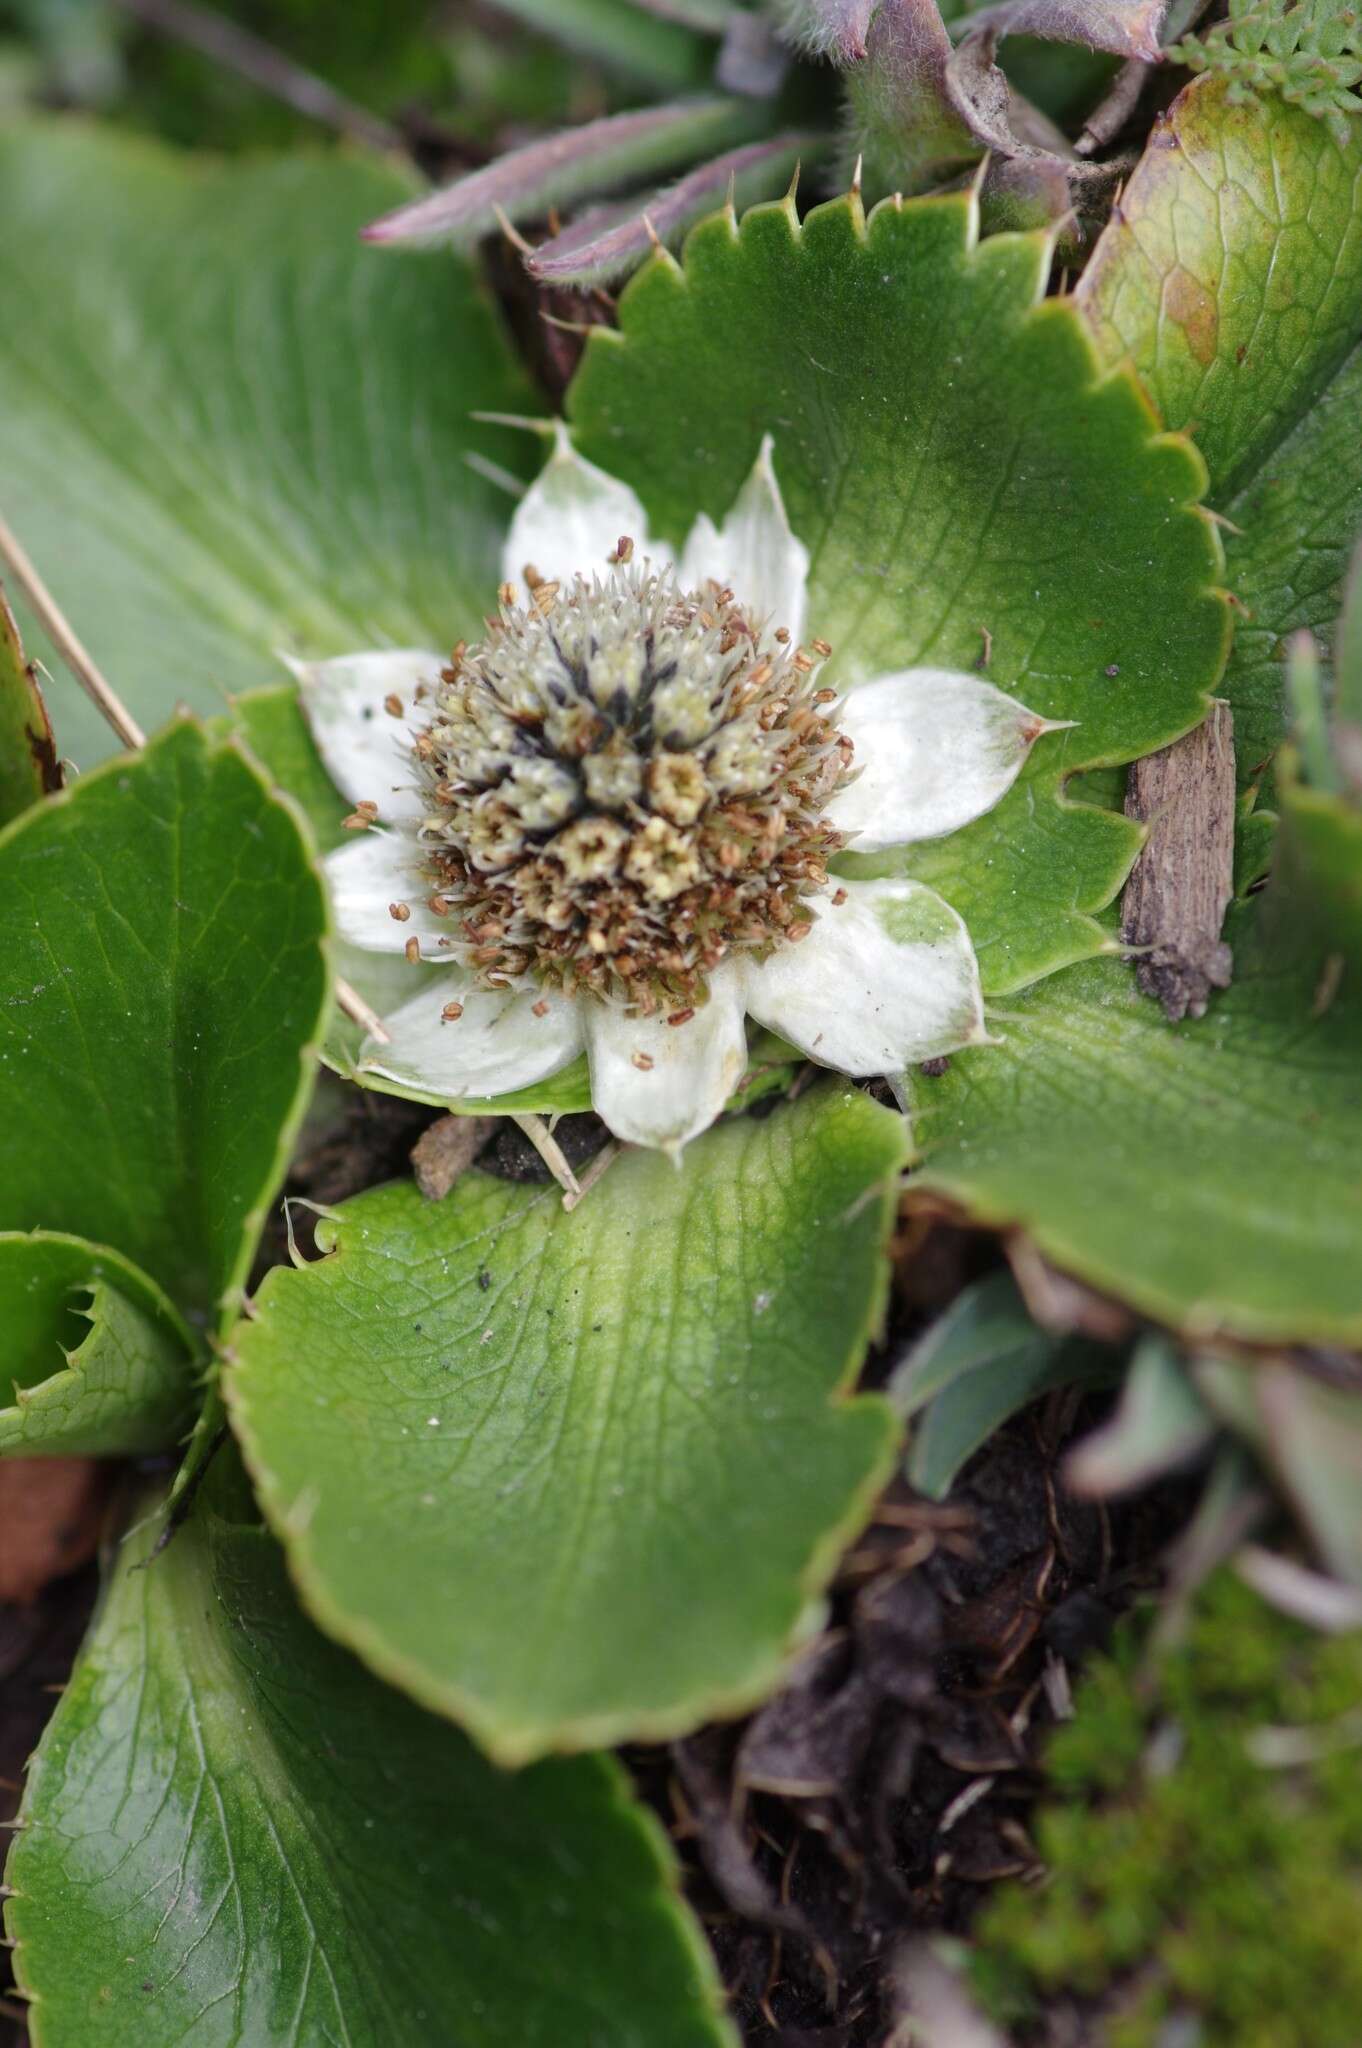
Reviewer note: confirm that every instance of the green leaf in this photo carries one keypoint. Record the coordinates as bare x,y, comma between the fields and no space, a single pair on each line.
228,427
980,1363
660,52
28,757
1308,1432
1159,1423
1232,279
127,1381
163,981
957,467
576,1477
1206,1173
233,1835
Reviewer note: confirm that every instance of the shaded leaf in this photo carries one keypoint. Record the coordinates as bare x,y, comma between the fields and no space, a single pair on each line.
233,1834
162,983
600,248
1309,1434
647,46
94,1358
28,757
947,451
227,428
558,170
980,1363
1159,1423
1231,276
569,1477
903,123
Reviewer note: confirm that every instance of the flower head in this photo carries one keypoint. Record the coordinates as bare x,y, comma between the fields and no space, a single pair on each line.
610,821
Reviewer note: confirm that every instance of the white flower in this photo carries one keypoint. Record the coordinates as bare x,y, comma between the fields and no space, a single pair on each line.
611,820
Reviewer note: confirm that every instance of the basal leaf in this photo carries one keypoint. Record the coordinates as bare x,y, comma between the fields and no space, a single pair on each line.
227,427
93,1357
163,981
1231,277
573,1477
1205,1173
233,1835
981,1362
28,757
973,492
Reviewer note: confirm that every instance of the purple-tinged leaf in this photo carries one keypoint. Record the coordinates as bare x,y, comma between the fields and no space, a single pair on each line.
827,28
1002,121
1128,28
610,240
558,170
904,123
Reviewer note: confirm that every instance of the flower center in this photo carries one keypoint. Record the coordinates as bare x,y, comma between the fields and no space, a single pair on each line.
626,782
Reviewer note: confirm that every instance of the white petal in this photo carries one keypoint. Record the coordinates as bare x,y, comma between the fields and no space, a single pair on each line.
933,750
572,518
373,872
661,1084
366,750
754,552
496,1046
883,980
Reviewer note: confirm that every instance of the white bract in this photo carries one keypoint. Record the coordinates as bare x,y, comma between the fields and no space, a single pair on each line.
610,822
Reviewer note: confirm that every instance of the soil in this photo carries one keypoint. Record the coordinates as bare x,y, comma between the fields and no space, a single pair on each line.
890,1783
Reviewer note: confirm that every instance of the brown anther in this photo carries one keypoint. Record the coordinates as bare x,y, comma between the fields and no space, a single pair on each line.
730,855
680,1016
539,1009
624,550
800,660
543,598
824,696
532,576
412,949
393,704
360,818
823,647
839,899
438,906
644,1061
795,932
452,1012
399,911
782,634
760,674
506,592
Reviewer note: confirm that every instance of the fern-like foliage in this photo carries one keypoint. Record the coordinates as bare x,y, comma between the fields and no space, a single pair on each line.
1310,52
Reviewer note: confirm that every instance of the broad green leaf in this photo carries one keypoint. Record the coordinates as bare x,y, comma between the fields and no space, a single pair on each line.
163,980
980,1363
233,1835
1159,1422
1206,1173
1231,277
93,1357
28,757
227,427
968,485
1231,274
576,1477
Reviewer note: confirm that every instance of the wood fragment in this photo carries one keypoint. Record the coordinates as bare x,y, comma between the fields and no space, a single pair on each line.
1180,887
446,1150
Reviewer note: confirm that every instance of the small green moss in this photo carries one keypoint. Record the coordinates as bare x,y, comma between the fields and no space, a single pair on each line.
1188,1874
